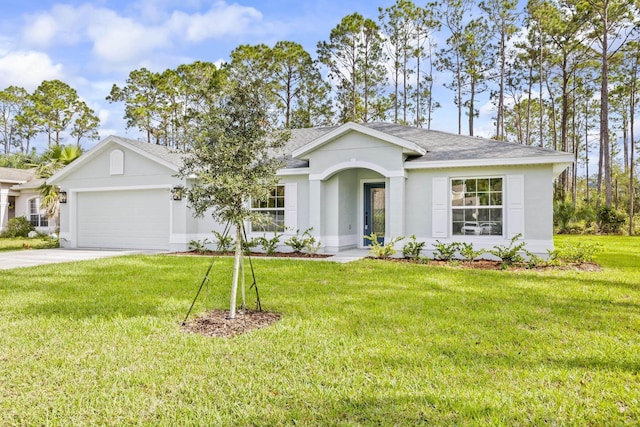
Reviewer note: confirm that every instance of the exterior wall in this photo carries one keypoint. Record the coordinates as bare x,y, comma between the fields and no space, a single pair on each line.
138,173
537,209
359,150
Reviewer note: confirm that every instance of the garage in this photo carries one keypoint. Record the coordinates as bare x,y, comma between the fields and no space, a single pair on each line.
130,219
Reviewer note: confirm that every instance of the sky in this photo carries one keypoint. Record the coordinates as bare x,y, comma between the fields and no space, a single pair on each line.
93,45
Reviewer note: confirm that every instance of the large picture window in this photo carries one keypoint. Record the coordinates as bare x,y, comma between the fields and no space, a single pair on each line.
476,206
272,211
36,217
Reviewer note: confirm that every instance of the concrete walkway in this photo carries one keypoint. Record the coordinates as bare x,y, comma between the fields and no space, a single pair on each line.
349,255
30,258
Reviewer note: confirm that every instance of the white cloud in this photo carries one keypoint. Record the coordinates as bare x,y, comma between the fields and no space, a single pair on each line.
27,69
118,39
222,19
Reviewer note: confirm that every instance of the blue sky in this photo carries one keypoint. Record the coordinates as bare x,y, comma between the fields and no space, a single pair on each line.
93,45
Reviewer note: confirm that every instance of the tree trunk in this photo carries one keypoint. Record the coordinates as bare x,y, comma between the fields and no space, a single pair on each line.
604,110
236,272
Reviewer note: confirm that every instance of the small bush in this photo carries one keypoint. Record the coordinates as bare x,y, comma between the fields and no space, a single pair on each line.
378,250
576,253
248,245
563,214
18,227
224,242
610,220
303,243
269,246
509,254
467,251
199,246
413,249
445,251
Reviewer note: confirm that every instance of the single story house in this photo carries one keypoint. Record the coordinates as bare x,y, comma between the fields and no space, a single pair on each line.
344,182
20,196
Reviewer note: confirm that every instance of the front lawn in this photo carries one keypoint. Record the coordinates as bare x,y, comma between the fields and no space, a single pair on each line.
366,343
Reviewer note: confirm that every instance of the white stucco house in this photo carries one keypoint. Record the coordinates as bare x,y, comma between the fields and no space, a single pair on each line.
344,181
20,196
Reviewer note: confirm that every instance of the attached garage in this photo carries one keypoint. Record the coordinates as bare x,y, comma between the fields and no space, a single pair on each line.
131,219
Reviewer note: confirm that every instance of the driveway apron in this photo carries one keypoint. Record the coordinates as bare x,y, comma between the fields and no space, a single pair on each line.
34,257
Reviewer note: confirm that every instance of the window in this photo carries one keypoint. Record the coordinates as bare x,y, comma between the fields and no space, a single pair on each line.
36,216
476,206
272,210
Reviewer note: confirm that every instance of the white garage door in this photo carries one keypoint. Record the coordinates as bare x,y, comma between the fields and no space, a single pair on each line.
123,219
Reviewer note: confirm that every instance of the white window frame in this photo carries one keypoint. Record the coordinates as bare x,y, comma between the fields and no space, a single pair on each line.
476,228
281,210
36,211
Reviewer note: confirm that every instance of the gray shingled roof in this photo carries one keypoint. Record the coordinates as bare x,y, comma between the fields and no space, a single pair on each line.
440,146
16,176
160,151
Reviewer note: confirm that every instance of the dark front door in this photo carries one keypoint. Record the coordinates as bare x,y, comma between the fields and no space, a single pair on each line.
374,211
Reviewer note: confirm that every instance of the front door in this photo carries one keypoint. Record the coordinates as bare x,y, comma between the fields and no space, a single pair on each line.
374,211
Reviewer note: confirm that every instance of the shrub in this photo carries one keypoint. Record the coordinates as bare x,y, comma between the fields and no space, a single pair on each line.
269,246
378,250
303,243
199,246
563,214
445,251
610,220
509,254
18,227
248,245
413,249
467,251
224,242
577,252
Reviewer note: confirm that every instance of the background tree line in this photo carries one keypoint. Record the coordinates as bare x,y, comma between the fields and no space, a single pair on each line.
560,75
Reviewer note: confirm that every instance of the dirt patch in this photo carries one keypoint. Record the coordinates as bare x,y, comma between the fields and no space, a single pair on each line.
216,323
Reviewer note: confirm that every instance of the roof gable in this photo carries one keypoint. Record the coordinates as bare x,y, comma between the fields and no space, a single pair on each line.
408,147
156,153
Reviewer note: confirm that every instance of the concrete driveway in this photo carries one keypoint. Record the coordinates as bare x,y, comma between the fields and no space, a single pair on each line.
30,258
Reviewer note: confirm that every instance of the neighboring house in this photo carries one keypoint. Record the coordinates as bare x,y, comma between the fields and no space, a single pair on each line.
344,181
20,196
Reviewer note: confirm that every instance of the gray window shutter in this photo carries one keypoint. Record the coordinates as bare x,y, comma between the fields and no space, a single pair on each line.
291,207
440,208
515,205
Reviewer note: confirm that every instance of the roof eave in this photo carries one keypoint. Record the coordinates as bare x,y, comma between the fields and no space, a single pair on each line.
98,149
560,163
408,147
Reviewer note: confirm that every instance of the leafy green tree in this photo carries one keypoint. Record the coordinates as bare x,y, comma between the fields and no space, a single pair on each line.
450,59
141,96
55,104
355,59
301,95
12,103
610,24
503,17
232,157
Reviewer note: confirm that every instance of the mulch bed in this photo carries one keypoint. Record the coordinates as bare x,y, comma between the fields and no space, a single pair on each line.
257,254
216,323
485,264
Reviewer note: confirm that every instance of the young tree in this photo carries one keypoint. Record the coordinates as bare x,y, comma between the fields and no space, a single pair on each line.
233,157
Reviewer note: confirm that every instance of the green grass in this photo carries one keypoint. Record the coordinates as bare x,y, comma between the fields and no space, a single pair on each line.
367,343
20,243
